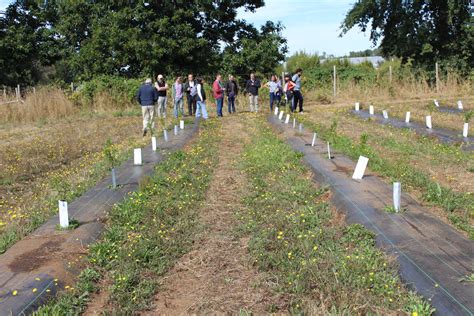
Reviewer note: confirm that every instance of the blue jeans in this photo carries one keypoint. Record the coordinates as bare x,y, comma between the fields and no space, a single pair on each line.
272,99
201,107
231,104
220,103
178,106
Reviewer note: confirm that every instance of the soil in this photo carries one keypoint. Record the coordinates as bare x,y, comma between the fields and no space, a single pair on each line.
217,276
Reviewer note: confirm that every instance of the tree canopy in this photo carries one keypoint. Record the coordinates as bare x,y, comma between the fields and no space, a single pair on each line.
81,39
422,31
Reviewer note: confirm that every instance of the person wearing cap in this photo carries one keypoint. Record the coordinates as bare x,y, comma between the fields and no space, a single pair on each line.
297,96
161,86
218,93
178,93
252,87
147,96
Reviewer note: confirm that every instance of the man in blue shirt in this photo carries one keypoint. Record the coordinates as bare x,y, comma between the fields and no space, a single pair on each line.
297,96
147,96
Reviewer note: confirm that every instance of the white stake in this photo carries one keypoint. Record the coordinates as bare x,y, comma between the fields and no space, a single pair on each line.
397,192
281,115
371,110
114,179
460,105
385,114
63,214
357,106
407,117
436,103
428,122
465,130
276,110
300,128
176,130
329,151
137,156
165,135
181,124
314,140
153,143
287,119
294,123
360,168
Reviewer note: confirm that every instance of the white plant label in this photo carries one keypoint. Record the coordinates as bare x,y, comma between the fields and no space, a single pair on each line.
436,103
397,193
165,135
360,168
300,128
357,106
287,119
460,104
371,110
176,129
276,110
63,214
465,130
385,114
428,122
314,140
294,123
281,115
407,117
181,124
153,143
137,156
329,151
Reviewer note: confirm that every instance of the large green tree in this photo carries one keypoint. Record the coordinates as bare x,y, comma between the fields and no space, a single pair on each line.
423,31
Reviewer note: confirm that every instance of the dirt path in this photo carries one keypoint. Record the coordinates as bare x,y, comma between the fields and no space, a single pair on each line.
217,275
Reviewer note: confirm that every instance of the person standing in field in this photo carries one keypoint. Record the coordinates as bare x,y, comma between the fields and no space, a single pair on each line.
252,87
191,94
218,93
161,86
273,86
201,99
178,93
297,96
231,89
147,96
288,90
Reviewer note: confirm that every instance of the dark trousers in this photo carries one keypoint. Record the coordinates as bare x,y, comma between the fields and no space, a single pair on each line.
297,99
191,104
231,104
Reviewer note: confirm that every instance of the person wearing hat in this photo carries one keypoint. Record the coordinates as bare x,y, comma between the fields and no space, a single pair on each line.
161,86
147,96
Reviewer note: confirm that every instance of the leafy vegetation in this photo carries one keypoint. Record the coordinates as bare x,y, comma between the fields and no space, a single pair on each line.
295,237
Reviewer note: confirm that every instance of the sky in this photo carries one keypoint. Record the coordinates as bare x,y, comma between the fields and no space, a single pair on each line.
310,25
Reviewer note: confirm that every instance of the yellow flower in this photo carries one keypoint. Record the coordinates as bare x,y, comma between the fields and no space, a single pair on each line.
414,314
15,292
34,290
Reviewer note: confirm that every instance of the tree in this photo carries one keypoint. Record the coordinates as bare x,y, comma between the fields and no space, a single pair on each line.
423,31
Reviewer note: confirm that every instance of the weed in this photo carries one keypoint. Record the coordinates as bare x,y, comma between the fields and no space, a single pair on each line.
73,224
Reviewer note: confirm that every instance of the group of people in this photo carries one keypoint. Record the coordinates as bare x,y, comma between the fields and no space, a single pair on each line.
153,98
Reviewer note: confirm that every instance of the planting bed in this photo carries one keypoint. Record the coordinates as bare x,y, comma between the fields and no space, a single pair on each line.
46,260
433,257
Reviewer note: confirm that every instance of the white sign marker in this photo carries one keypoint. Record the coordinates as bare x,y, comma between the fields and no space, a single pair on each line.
300,128
397,193
385,114
407,117
436,103
165,135
287,119
460,105
428,122
137,156
357,106
63,214
314,140
329,151
294,123
371,110
360,168
465,130
181,124
281,115
153,143
276,110
176,129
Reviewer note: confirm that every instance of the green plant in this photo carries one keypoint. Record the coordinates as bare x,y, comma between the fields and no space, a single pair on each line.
73,224
468,115
111,154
